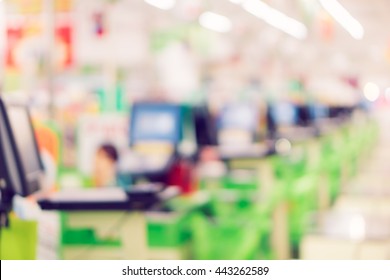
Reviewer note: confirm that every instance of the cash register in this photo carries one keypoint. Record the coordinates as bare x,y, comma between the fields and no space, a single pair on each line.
9,180
30,174
292,121
18,237
239,132
95,208
328,118
161,145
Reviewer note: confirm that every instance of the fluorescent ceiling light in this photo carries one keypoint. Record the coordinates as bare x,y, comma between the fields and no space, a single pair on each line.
162,4
215,22
344,18
275,18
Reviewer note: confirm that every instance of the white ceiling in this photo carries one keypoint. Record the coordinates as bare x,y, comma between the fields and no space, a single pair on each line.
343,54
260,44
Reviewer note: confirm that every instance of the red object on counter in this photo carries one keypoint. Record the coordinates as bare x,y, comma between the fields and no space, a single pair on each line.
181,175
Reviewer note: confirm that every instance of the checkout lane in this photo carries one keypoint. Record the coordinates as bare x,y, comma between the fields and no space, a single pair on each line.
136,198
86,204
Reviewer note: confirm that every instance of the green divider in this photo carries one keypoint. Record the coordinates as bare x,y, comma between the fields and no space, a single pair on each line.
167,230
303,200
235,227
296,182
224,239
245,182
82,236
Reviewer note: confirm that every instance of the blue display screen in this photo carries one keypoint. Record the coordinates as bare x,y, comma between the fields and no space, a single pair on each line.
284,113
155,122
239,116
319,111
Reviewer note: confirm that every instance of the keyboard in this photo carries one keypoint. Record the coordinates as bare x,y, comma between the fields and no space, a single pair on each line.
112,194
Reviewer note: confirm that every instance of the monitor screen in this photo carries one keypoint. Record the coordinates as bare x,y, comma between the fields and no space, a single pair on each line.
23,133
239,116
25,139
284,114
9,154
155,122
319,111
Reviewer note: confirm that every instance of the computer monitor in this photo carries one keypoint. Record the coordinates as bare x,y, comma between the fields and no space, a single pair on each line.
23,156
239,116
319,111
22,128
340,111
10,163
304,115
155,122
205,130
7,190
284,114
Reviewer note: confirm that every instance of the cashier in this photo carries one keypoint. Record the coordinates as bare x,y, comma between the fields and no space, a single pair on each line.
105,163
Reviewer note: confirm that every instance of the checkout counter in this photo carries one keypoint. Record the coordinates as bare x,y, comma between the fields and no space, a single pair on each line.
263,198
115,215
316,147
237,179
161,152
162,146
358,225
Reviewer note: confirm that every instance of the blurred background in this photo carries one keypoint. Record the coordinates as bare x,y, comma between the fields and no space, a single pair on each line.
268,118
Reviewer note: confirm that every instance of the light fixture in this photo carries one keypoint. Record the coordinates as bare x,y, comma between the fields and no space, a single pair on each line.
344,18
275,18
371,92
162,4
215,22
